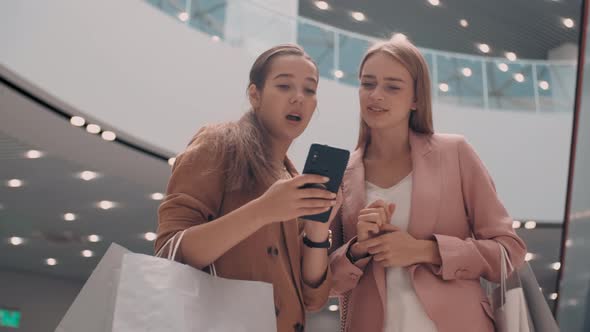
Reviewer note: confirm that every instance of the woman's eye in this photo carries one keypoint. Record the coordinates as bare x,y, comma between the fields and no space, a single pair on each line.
393,88
367,84
310,91
283,86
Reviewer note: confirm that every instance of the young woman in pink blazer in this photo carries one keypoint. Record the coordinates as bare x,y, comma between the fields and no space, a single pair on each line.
421,222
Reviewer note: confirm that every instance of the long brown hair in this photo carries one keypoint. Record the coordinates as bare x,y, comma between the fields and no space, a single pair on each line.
243,145
403,51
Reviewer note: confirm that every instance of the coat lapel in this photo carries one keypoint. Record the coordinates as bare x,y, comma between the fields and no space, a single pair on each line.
353,187
293,234
426,188
355,200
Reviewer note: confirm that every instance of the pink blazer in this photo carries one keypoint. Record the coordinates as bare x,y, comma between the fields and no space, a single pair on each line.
454,202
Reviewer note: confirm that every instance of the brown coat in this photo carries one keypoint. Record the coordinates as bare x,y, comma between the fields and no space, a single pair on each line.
272,254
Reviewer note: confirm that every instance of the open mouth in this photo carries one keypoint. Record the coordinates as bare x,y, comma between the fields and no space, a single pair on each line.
377,109
294,117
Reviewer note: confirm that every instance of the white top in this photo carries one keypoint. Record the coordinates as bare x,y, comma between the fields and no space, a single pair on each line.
404,311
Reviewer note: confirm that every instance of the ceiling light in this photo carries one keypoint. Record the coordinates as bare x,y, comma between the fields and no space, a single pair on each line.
568,23
333,307
88,175
569,243
529,256
553,296
444,87
511,56
183,16
171,161
14,183
150,236
338,73
34,154
109,136
466,72
519,77
544,85
215,38
358,16
16,241
87,253
516,224
157,196
434,2
106,205
322,5
93,128
484,48
556,266
530,224
51,261
503,67
93,238
69,217
77,121
464,23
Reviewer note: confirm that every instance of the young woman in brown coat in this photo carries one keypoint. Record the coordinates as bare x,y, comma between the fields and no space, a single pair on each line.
238,196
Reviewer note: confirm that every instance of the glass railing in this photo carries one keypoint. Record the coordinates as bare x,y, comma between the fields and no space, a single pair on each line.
457,79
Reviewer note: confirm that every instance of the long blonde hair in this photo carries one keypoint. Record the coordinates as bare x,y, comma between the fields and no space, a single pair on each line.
406,53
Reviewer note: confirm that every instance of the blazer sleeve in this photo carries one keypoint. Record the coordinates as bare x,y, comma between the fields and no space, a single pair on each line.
194,193
345,274
491,225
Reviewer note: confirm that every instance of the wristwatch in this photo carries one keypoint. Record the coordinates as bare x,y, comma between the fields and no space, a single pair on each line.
323,245
351,258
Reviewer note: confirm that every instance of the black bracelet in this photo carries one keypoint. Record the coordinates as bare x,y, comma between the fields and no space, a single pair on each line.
322,245
352,259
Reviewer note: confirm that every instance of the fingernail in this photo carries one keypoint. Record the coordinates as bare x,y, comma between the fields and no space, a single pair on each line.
333,195
326,179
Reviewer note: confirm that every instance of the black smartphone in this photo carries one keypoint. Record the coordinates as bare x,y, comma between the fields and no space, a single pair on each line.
326,161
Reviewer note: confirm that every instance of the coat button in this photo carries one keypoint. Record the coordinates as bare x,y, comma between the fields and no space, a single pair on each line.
272,251
298,327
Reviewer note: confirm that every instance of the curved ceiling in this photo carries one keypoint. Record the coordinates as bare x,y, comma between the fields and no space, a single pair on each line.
529,28
52,187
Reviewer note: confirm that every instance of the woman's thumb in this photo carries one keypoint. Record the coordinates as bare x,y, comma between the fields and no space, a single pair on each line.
390,209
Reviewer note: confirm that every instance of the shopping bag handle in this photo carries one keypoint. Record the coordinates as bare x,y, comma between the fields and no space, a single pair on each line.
505,266
172,251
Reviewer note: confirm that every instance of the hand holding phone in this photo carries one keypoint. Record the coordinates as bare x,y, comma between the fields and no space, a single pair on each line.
326,161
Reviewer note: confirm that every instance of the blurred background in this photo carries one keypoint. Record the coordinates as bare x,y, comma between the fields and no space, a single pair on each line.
97,97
